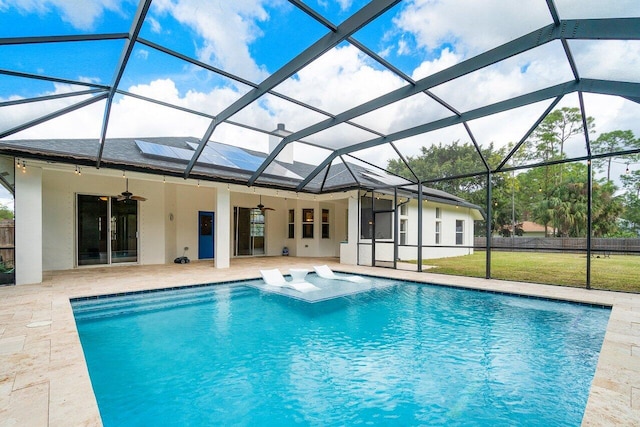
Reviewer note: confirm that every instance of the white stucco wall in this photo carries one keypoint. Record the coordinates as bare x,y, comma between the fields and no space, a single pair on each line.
29,226
384,251
168,219
59,191
189,201
170,223
277,223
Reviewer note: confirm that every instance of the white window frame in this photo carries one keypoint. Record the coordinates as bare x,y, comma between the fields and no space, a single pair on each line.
460,233
404,228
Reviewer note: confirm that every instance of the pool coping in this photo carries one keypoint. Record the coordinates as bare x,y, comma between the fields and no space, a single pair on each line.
44,379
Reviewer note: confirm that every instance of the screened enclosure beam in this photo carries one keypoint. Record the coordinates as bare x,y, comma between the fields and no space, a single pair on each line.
475,144
450,121
572,62
208,116
604,87
130,42
585,128
239,79
356,21
61,39
353,175
529,132
52,79
616,28
553,11
321,19
49,97
405,161
53,115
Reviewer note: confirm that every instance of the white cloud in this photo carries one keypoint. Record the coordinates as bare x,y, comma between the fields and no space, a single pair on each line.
472,26
339,80
597,8
155,25
227,28
345,4
444,61
142,54
81,16
607,59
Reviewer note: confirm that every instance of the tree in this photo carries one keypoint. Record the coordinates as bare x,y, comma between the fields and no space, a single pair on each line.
5,212
549,138
455,159
554,131
631,214
610,142
563,207
606,210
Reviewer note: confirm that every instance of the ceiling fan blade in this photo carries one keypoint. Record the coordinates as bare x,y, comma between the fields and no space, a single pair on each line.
267,209
121,198
138,198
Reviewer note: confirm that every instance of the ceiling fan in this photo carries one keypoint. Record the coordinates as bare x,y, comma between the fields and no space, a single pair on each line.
127,195
263,207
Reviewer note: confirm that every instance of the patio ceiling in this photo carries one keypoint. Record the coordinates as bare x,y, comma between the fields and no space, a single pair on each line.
354,82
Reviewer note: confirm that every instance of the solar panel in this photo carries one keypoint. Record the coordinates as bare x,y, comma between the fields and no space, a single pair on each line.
156,150
182,153
238,156
215,155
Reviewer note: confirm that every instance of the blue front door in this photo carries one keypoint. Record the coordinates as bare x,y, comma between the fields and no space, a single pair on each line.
205,235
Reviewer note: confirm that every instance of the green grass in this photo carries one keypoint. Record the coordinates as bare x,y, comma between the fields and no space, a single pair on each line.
618,272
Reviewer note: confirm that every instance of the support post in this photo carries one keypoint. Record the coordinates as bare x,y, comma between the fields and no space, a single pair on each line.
589,218
396,228
222,227
419,226
28,225
488,228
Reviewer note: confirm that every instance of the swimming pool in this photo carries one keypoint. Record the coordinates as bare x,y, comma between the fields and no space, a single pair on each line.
405,354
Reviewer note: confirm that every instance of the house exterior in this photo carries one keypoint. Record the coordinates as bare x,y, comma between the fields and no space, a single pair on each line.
70,216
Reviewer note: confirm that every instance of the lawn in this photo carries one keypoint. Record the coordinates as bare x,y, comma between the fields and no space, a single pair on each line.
618,272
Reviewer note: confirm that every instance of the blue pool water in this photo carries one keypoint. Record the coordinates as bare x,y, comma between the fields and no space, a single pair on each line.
407,354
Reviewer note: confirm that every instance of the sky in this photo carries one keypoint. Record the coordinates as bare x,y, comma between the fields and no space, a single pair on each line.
253,38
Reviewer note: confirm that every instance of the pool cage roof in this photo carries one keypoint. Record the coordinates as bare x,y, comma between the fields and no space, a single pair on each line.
309,96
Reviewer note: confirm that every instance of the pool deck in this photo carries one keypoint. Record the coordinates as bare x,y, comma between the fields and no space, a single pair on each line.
44,379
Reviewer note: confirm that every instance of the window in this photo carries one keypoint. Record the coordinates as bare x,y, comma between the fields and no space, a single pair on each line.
438,213
459,232
403,231
438,224
325,223
307,223
292,223
404,209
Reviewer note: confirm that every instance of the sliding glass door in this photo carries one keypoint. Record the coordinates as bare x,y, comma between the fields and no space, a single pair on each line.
124,230
107,230
248,225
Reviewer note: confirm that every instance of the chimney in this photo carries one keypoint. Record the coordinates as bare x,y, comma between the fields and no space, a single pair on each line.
286,155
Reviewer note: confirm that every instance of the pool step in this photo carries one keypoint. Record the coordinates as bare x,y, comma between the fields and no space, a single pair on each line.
152,301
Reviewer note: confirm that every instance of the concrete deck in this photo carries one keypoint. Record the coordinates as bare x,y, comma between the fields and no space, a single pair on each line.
44,379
